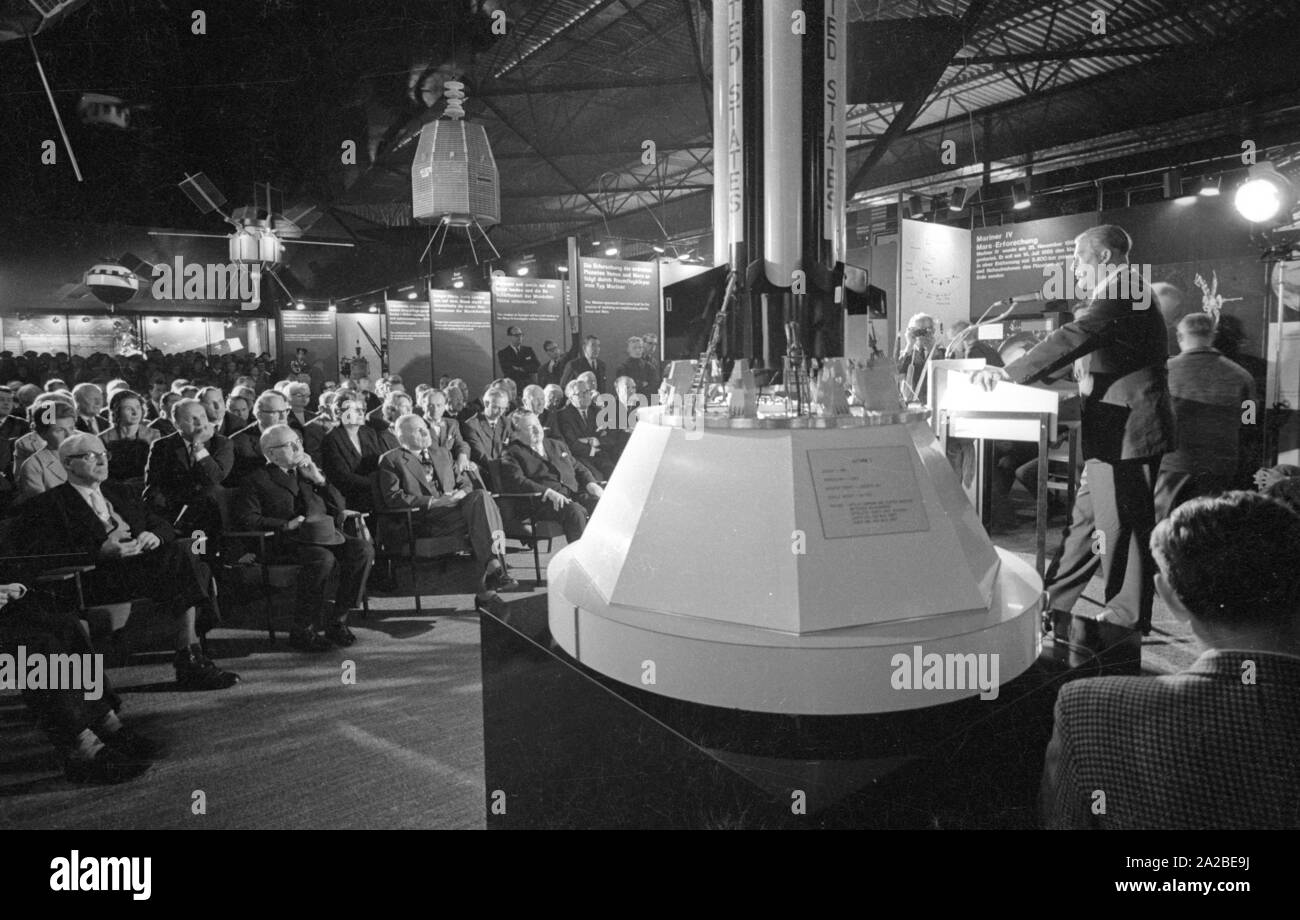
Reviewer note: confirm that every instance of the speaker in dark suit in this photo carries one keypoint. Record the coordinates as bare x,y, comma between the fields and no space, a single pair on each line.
1118,345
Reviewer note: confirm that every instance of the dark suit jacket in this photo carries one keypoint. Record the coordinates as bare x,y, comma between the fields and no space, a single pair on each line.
230,424
1198,749
246,448
1120,350
572,426
486,443
551,372
580,365
163,425
313,439
644,373
522,470
404,484
94,425
171,482
269,498
60,521
13,427
521,366
449,437
349,471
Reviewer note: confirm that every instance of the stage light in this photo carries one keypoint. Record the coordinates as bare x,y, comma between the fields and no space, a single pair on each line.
1266,194
1020,196
611,251
957,200
1209,187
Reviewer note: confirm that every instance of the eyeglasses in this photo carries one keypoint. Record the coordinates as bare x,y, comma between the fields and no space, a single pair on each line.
289,444
94,456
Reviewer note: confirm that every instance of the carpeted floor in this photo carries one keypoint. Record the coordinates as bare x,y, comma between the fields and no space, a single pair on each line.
293,746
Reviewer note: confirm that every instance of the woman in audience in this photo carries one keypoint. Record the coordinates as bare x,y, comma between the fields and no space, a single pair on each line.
352,450
129,439
43,470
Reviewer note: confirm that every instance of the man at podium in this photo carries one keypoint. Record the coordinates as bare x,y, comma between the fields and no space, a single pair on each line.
1118,345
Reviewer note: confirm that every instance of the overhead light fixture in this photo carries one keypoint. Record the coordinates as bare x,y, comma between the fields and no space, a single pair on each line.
562,268
458,284
333,308
1209,186
521,270
1020,196
412,295
374,308
611,251
957,199
300,306
1172,183
914,206
659,249
1265,195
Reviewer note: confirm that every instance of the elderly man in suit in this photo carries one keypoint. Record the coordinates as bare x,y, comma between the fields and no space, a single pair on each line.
419,475
184,467
134,552
536,463
576,426
90,406
589,360
553,370
517,360
1216,745
269,409
351,453
1119,346
445,431
486,433
290,497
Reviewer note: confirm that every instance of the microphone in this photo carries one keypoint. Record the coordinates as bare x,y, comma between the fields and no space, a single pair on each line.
1025,298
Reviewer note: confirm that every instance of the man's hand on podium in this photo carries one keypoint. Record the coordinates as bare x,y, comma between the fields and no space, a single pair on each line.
987,378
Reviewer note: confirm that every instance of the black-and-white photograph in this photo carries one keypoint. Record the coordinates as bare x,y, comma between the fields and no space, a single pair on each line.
651,414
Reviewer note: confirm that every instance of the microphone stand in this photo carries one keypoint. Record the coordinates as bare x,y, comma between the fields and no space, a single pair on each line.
1010,303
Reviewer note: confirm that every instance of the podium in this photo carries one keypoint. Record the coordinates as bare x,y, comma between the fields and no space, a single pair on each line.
1010,412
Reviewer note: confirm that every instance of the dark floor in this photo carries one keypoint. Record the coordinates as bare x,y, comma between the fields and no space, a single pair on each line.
294,746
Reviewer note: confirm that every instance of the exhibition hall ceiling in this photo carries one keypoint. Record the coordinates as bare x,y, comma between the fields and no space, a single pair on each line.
273,89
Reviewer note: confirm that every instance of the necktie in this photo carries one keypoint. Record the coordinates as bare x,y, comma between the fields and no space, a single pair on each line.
427,462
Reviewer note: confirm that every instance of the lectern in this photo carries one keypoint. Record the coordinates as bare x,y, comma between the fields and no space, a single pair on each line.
1010,412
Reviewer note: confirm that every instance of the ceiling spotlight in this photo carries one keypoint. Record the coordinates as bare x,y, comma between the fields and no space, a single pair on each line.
333,308
1020,196
521,270
562,269
659,249
412,295
611,251
914,206
458,284
957,200
300,306
1210,186
1265,195
374,308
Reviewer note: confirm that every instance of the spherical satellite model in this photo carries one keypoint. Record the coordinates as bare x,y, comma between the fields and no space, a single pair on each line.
111,283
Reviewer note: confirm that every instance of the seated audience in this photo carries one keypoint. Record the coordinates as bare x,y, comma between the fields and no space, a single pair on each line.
134,552
555,401
351,453
396,404
1208,392
239,411
184,466
90,403
270,408
12,425
163,423
43,470
299,396
291,497
536,463
158,388
94,745
576,426
446,431
1217,745
419,475
587,362
129,439
486,433
553,368
314,432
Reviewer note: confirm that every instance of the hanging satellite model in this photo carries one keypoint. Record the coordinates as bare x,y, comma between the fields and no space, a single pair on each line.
112,281
260,234
454,178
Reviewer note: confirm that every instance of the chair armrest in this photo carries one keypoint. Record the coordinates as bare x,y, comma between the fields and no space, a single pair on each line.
395,512
249,534
496,495
63,573
353,513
